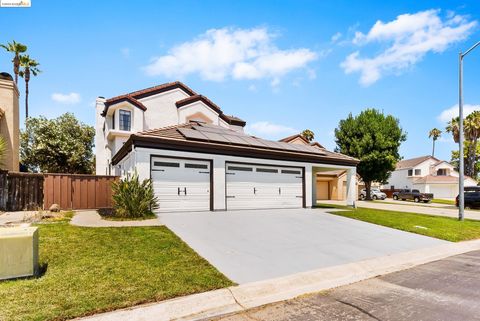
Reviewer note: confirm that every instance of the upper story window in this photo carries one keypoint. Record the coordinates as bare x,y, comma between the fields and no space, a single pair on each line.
410,172
125,119
418,172
442,172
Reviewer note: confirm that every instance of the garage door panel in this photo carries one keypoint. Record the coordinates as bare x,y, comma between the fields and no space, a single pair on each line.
262,186
181,185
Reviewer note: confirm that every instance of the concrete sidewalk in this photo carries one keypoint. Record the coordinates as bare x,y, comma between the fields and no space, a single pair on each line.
16,217
250,295
429,209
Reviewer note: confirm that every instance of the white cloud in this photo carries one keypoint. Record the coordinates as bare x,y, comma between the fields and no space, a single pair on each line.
125,52
231,53
452,112
266,129
408,39
336,37
69,99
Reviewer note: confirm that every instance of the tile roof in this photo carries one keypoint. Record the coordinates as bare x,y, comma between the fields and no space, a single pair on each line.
292,137
232,120
206,137
436,179
412,162
139,94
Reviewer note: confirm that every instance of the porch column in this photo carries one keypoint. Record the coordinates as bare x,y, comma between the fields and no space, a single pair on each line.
314,187
351,186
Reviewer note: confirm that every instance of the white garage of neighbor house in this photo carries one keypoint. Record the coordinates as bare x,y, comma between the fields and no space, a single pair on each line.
199,159
429,175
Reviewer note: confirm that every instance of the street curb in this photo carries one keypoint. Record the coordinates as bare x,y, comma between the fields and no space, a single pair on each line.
250,295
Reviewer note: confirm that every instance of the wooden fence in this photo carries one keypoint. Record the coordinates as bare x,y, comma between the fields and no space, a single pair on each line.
30,191
76,191
20,191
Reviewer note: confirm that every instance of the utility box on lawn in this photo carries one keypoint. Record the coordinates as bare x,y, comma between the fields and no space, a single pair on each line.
18,252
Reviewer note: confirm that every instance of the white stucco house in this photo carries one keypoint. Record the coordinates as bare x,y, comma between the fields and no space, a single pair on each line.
429,175
200,159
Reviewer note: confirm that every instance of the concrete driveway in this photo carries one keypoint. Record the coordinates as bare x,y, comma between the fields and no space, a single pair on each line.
260,244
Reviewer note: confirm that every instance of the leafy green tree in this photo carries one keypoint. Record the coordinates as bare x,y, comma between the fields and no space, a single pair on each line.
16,48
434,134
29,67
455,160
308,135
373,138
60,145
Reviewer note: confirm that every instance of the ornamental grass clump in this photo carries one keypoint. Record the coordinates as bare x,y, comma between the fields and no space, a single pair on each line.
134,199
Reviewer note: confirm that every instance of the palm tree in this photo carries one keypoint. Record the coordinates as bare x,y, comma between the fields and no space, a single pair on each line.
434,134
29,66
452,127
17,48
472,134
308,135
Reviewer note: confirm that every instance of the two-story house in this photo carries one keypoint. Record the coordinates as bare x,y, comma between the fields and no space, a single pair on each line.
429,175
201,159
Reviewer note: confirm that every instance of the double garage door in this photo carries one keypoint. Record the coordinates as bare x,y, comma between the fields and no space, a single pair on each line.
185,185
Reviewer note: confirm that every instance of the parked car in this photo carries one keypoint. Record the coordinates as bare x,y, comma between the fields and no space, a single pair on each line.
471,197
414,194
375,194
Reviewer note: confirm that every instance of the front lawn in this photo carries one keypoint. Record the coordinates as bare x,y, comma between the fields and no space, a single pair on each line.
442,201
444,228
89,270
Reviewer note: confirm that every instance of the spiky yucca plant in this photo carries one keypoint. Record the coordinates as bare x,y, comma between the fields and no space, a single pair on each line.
3,151
133,198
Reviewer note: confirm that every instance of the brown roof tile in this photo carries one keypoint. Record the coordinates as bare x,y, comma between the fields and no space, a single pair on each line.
412,162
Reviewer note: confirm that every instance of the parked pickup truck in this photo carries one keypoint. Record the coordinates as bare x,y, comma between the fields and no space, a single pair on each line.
414,194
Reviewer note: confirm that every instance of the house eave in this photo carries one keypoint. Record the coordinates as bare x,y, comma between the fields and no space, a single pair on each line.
221,149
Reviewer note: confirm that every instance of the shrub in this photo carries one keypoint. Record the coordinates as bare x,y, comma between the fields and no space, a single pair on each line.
134,199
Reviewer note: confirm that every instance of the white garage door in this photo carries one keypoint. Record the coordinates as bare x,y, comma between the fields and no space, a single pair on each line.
444,191
258,186
181,184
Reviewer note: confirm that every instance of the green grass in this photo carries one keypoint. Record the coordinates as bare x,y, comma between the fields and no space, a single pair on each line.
440,201
90,270
444,228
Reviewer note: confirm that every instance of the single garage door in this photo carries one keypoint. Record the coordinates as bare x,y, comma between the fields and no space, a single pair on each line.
259,186
181,184
444,190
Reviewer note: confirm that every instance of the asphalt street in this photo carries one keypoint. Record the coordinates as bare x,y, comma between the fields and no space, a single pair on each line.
445,290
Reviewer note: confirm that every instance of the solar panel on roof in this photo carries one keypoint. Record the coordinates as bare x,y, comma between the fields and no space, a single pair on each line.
218,130
236,139
253,141
192,134
214,137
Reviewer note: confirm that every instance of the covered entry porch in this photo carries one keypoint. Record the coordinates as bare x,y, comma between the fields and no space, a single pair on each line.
336,183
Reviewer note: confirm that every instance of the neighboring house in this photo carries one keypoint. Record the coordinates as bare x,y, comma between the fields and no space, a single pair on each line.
429,175
201,159
9,121
330,184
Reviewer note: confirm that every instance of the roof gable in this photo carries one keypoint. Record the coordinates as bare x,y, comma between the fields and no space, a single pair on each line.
232,120
294,137
134,96
412,162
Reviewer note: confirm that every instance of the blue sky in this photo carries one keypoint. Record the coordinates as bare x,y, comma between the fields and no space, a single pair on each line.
283,66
